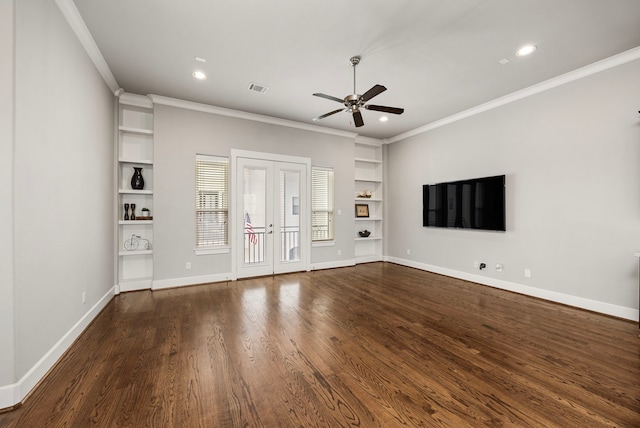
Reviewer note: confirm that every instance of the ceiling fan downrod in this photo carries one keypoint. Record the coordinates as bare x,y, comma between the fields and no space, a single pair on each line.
355,60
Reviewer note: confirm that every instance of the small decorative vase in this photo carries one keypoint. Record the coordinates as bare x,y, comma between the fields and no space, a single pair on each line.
137,181
126,211
133,211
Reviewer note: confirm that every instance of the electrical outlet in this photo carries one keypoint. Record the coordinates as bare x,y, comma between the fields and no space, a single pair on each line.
408,251
339,252
187,265
84,297
499,267
527,273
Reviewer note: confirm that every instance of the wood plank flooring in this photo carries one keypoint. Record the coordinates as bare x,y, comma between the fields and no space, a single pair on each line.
375,345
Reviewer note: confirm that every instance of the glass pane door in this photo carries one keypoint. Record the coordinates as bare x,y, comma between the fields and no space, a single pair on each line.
254,199
289,216
272,217
254,212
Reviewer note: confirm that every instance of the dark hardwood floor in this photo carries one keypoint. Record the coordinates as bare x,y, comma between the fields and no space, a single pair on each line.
376,345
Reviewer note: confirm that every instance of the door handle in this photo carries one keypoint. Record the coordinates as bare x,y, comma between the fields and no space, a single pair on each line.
270,229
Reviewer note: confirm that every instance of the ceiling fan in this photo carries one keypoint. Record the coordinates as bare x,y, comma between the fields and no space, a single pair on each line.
354,102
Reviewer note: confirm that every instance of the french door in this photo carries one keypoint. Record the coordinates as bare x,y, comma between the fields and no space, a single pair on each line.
271,217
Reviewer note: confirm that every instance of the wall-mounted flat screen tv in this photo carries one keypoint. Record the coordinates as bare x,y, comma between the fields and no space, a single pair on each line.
478,203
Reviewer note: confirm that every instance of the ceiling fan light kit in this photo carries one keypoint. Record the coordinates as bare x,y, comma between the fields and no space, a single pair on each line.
354,102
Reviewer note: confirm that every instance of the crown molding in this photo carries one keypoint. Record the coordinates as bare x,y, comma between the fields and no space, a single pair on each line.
580,73
221,111
77,24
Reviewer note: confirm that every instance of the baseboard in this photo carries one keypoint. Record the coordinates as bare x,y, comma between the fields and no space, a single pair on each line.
369,259
221,277
333,265
11,395
189,280
553,296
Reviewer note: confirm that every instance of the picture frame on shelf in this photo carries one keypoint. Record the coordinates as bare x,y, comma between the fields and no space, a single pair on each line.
362,210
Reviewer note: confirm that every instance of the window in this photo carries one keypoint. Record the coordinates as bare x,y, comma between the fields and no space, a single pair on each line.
321,204
212,201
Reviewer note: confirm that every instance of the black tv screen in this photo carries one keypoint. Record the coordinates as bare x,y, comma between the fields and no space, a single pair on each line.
478,203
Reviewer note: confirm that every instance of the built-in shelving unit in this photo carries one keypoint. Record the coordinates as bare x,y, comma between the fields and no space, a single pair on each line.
368,179
135,150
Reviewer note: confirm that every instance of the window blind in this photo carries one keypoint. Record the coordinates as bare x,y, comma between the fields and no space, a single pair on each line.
321,204
212,201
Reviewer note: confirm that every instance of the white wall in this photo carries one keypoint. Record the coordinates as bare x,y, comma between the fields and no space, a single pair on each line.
63,187
7,328
181,133
571,158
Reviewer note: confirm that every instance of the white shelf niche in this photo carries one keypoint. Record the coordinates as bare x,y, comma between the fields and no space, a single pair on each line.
135,149
368,176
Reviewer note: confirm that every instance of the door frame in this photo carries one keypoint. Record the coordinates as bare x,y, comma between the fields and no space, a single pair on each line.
304,207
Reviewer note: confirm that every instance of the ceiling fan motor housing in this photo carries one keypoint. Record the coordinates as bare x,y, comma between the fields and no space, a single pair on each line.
353,102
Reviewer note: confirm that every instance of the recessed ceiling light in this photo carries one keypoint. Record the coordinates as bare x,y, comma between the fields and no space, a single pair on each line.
200,59
199,75
383,118
526,50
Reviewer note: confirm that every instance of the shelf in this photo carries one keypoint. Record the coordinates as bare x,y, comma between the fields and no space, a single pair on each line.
126,253
369,180
136,222
369,238
135,192
132,130
136,161
365,160
368,219
368,199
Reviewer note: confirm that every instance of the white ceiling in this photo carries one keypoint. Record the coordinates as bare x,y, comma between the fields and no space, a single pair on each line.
436,57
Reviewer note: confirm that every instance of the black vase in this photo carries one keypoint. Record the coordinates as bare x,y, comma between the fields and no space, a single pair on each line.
137,181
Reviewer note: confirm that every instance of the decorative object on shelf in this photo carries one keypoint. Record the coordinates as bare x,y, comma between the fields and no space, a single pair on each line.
362,210
146,214
137,181
133,212
364,194
133,243
126,211
364,233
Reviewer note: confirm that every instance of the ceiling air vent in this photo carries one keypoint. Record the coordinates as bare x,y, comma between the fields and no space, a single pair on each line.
256,87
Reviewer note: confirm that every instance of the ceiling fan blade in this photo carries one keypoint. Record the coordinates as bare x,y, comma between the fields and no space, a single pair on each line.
357,118
376,90
328,114
392,110
329,97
